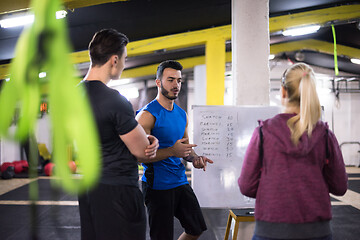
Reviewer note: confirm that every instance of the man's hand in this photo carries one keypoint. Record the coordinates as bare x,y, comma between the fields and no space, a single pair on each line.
181,149
150,150
201,161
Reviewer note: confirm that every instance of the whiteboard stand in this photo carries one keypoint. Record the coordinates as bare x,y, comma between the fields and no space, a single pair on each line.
237,216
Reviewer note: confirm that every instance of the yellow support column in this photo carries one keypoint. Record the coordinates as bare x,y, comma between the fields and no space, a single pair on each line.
215,71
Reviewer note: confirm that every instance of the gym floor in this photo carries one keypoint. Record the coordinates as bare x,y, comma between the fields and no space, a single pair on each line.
58,217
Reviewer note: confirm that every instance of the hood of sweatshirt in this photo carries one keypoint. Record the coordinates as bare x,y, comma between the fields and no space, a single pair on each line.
277,132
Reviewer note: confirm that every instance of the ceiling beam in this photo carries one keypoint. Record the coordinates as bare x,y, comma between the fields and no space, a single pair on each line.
321,17
150,70
72,4
169,42
178,41
10,6
315,45
183,40
4,71
148,46
310,44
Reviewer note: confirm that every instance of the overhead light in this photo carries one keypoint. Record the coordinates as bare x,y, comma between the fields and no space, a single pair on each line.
25,20
300,56
61,14
355,60
301,30
17,21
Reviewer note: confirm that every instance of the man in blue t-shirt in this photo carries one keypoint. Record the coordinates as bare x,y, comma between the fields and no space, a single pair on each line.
165,187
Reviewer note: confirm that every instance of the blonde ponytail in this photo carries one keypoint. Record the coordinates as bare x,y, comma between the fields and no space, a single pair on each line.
300,85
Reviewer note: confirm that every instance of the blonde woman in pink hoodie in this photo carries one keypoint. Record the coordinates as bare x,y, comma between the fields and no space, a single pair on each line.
291,165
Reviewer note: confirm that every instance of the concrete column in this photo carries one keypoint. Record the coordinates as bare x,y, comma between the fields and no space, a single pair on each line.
250,51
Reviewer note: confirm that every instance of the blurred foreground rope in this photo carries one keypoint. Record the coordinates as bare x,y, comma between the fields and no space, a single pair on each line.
44,46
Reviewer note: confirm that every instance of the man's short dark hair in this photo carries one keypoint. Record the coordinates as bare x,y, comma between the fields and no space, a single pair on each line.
104,44
167,64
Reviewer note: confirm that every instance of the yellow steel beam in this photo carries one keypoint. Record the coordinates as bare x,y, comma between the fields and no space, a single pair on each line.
215,71
177,41
9,6
170,42
187,39
71,4
150,70
77,57
194,38
80,57
183,40
4,71
322,16
315,45
311,44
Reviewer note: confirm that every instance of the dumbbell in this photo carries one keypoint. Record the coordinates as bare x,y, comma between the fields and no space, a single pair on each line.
49,168
5,165
20,166
72,166
7,170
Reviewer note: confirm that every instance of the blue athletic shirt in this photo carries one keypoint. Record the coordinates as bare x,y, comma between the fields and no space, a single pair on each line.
169,127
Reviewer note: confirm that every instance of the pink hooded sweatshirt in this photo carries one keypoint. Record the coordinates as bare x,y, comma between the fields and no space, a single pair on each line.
291,183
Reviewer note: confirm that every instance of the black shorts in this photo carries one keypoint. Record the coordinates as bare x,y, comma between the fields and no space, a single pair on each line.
164,205
112,212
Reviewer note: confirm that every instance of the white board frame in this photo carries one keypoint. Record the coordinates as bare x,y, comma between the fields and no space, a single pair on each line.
222,133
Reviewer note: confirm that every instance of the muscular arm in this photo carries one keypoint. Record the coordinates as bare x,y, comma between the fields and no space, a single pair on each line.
139,145
180,149
197,161
192,154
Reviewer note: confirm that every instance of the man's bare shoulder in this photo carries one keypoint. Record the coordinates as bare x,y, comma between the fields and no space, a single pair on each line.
144,114
146,120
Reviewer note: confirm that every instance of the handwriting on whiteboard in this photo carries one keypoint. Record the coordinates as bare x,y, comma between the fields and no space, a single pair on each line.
217,133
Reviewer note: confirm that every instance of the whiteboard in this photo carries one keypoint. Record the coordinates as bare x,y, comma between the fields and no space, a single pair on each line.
222,134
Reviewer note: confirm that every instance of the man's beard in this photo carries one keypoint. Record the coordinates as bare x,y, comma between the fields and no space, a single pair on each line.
166,93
